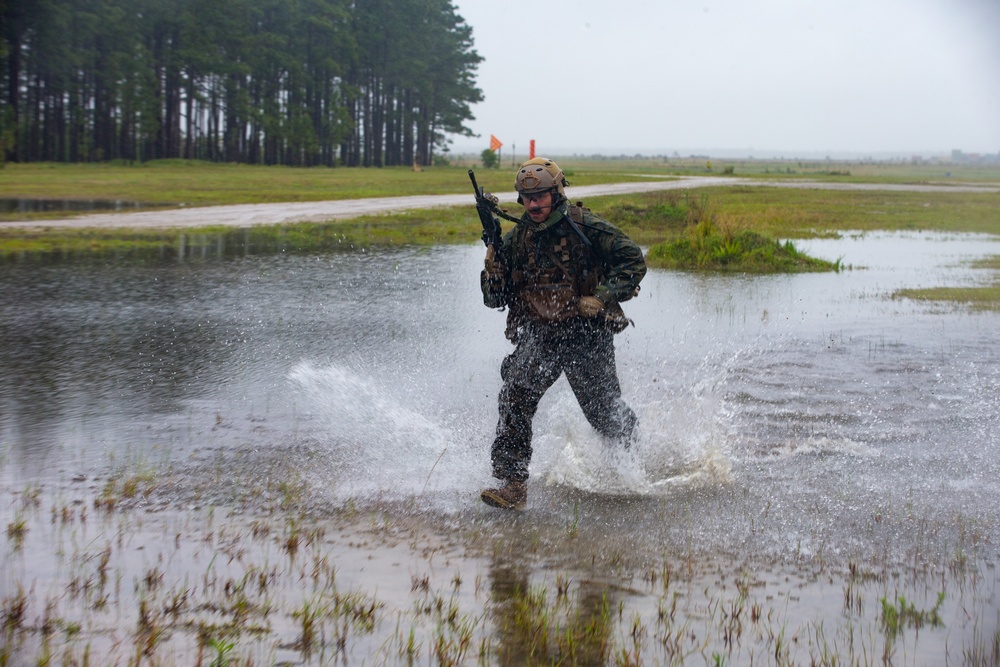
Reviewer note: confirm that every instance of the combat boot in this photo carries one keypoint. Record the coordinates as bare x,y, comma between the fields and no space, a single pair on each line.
511,496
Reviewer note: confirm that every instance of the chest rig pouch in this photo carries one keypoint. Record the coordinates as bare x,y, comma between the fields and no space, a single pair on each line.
555,268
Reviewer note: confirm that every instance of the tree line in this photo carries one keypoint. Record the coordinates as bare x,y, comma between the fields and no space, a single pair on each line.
289,82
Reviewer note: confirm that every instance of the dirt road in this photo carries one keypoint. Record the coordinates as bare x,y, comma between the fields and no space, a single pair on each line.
244,215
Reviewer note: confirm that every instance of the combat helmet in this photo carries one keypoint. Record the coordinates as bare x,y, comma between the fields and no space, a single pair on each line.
540,175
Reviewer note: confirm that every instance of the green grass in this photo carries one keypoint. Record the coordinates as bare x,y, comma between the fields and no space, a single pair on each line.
746,220
839,171
802,213
903,613
708,249
429,227
173,182
700,239
176,182
976,298
988,263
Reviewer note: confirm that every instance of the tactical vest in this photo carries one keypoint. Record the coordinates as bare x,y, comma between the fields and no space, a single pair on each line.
552,269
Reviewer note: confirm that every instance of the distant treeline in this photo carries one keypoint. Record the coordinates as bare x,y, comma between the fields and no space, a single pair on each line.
291,82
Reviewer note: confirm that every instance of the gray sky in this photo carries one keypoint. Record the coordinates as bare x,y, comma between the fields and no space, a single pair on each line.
785,77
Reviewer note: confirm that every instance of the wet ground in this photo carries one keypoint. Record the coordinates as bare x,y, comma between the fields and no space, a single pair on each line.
285,452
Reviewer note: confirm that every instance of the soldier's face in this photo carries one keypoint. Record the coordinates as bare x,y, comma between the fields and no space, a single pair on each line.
538,205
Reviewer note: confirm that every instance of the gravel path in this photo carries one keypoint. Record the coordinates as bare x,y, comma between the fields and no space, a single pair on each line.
243,215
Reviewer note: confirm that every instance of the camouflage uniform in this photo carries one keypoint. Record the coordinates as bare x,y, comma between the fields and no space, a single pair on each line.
608,265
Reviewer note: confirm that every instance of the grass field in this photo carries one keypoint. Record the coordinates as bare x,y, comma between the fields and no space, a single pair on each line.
200,183
660,220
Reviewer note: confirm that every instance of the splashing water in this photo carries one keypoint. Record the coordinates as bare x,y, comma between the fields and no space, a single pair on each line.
376,442
680,443
820,397
380,445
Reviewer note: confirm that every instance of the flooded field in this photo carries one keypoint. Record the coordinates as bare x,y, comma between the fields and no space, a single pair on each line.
27,205
276,460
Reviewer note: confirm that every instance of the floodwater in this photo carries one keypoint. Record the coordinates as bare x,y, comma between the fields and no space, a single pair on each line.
28,205
786,421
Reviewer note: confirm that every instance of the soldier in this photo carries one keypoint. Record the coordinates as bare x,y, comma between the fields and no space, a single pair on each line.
562,272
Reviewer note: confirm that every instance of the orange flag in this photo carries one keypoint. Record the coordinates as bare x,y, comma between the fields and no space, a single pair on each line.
495,143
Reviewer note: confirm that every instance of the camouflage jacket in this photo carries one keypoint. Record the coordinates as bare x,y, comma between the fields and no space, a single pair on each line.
608,265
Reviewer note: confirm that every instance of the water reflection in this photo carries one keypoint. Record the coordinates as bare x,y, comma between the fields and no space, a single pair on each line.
533,625
27,205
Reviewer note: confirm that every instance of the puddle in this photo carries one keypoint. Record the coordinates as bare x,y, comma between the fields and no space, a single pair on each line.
812,450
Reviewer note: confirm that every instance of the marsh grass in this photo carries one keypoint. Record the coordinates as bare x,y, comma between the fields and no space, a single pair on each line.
711,242
902,613
742,252
256,602
16,530
976,298
988,263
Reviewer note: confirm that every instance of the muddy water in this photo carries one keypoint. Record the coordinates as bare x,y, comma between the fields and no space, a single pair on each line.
784,420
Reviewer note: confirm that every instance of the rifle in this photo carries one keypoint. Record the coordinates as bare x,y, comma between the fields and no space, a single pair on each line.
488,208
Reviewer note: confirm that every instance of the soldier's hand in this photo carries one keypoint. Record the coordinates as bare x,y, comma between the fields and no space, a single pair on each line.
590,306
493,268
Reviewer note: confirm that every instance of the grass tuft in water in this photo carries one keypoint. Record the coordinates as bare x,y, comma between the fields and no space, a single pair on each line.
896,616
707,245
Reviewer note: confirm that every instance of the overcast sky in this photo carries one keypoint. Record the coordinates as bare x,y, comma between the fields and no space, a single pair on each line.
771,76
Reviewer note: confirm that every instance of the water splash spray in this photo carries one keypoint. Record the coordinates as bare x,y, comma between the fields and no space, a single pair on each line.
379,444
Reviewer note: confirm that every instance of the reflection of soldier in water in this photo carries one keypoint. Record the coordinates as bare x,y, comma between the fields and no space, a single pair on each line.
562,272
508,584
531,626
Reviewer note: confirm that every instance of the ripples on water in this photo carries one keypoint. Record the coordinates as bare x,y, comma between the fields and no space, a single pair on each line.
796,413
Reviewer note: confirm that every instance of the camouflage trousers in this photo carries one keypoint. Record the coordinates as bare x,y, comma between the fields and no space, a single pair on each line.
585,352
